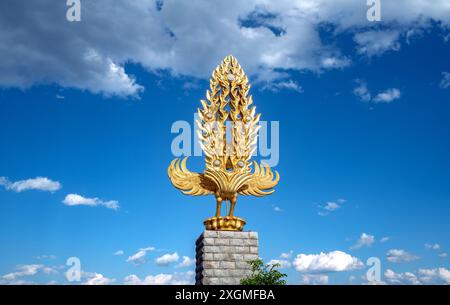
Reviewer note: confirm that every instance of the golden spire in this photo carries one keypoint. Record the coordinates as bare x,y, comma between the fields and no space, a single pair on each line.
226,112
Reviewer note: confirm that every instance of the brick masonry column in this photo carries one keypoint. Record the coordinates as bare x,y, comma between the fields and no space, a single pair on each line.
222,256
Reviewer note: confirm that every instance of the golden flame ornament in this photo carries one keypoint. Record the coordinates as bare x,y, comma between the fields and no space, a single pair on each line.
226,111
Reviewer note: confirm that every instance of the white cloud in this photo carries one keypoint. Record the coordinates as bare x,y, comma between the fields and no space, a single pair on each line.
23,270
400,256
434,275
132,279
277,208
335,62
432,246
282,262
334,261
288,84
26,271
286,255
119,252
315,279
330,206
186,262
365,240
372,43
422,276
38,183
445,82
401,278
97,279
363,93
384,239
443,255
387,96
167,259
75,199
185,278
280,36
139,257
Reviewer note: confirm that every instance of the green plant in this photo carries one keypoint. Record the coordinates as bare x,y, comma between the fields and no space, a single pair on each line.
264,274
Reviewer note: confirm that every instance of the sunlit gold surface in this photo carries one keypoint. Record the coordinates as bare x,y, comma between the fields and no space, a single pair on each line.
228,169
226,223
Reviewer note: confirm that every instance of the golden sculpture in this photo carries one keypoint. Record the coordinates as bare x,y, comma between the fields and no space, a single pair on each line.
228,166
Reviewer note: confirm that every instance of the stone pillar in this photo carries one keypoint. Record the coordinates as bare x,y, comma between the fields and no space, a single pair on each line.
222,256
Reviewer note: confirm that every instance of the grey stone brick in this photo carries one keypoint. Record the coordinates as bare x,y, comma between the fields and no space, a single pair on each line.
250,257
212,234
227,265
209,241
211,281
253,250
207,257
242,265
253,235
243,250
221,256
223,241
237,257
211,264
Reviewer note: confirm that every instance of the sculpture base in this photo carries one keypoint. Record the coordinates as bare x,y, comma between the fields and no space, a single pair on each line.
226,223
223,256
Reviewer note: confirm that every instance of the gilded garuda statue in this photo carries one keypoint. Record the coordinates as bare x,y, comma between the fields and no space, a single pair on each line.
228,131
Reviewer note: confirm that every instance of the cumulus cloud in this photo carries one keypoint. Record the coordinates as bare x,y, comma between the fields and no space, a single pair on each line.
372,43
400,256
139,257
26,271
330,206
281,262
186,262
386,96
334,261
288,84
274,37
445,82
385,239
439,275
119,253
38,183
362,91
434,275
23,270
432,246
75,199
97,279
335,62
185,278
167,259
277,208
365,240
286,255
401,278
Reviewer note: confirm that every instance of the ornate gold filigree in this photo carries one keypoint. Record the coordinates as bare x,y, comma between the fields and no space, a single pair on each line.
226,111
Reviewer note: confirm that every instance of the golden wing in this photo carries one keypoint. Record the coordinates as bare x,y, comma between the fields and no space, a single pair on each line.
188,182
262,181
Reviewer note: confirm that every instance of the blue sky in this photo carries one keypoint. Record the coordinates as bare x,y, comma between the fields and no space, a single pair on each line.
364,120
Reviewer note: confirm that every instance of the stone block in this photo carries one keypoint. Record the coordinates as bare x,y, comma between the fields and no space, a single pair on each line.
221,256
